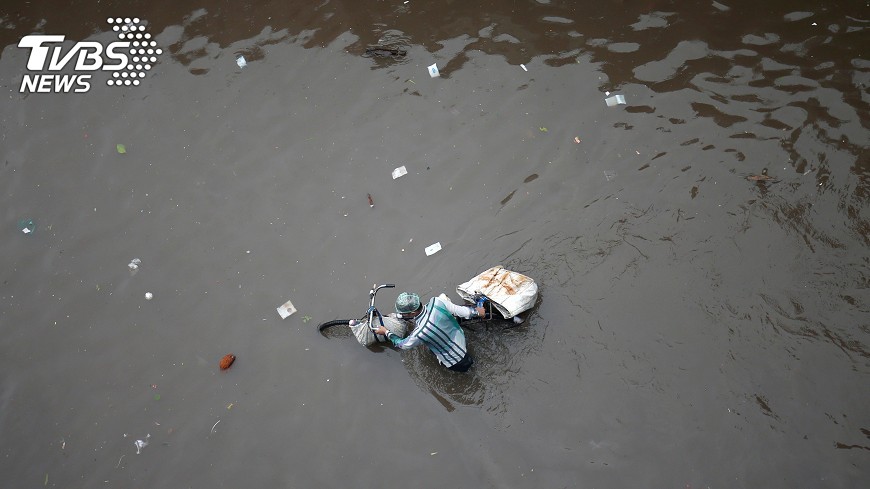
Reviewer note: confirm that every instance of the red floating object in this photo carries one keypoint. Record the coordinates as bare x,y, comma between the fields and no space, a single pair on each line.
227,361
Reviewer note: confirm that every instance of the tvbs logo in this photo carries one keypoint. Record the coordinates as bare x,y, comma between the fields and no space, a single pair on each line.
127,60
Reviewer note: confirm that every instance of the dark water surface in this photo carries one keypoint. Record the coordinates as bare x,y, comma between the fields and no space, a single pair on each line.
695,328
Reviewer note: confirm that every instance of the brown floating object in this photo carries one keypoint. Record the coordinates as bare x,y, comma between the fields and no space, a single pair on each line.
760,178
371,202
227,361
384,52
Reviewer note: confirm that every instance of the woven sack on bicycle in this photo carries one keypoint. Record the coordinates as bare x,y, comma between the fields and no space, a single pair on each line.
366,337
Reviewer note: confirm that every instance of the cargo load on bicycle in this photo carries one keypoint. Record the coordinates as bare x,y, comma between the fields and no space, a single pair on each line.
511,293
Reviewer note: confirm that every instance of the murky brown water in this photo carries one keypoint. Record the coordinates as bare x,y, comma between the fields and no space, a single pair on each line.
695,328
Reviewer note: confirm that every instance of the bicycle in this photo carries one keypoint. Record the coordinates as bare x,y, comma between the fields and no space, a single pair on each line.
364,328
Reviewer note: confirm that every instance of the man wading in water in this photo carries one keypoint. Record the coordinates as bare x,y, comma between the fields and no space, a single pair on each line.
436,327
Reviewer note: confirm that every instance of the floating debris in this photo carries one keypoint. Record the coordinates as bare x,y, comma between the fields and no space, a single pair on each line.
400,171
227,361
140,444
384,52
371,202
148,296
433,70
609,175
760,178
433,248
121,148
241,61
523,67
286,309
134,264
27,226
615,100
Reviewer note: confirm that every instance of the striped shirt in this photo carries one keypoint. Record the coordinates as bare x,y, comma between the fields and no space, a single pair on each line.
438,329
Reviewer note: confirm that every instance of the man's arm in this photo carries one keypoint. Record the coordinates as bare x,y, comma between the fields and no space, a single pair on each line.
465,312
405,343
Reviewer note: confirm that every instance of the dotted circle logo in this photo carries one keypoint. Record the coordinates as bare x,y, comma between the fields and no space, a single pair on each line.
143,51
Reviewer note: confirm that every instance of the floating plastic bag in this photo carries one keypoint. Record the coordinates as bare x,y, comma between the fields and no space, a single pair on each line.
140,444
615,100
510,292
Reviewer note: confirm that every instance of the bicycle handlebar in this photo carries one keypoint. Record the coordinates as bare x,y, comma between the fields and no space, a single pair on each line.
372,309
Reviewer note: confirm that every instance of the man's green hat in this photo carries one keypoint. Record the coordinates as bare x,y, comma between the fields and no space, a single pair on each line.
407,302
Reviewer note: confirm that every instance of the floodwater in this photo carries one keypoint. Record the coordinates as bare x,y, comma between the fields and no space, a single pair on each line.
694,329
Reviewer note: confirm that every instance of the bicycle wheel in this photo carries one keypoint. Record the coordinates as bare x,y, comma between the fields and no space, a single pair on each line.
335,322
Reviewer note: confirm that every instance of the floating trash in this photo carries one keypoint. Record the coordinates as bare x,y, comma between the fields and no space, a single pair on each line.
524,67
121,148
148,296
227,361
433,248
433,70
27,226
286,309
241,61
371,201
384,52
615,100
760,178
609,175
398,172
140,444
134,264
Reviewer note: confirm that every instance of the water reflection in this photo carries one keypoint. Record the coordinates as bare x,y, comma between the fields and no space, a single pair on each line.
803,54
